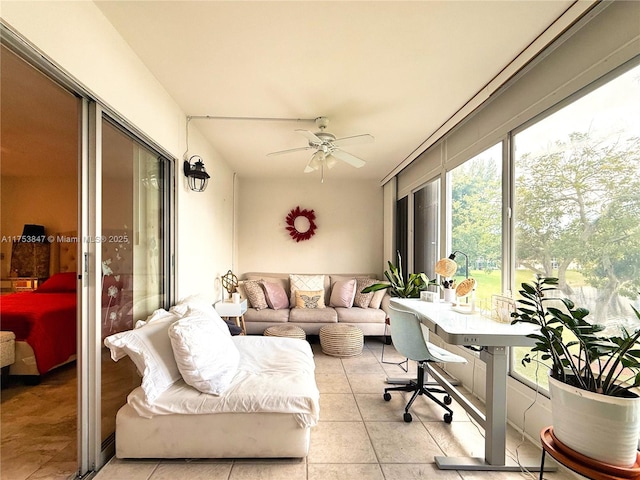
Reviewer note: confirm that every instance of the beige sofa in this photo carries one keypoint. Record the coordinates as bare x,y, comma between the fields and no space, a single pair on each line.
370,320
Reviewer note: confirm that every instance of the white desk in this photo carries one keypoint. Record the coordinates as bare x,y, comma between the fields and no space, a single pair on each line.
494,338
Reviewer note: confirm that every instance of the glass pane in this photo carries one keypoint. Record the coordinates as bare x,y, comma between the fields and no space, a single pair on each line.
578,203
132,254
476,222
426,217
402,233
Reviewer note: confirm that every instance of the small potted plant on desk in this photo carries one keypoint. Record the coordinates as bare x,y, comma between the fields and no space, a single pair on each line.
593,379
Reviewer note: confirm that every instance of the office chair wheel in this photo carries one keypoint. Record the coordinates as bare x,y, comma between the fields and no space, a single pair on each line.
448,418
407,417
447,400
386,396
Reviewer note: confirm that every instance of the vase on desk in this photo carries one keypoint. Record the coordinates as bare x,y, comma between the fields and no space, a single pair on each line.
449,295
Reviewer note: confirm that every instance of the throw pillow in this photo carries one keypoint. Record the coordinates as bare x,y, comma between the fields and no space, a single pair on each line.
255,294
207,359
363,300
342,293
59,282
376,300
150,350
309,299
275,295
305,283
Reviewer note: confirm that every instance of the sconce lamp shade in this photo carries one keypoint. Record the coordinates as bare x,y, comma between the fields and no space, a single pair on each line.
446,267
197,176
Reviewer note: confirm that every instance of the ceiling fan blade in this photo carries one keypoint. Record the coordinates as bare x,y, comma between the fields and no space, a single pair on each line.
310,136
348,158
353,140
281,152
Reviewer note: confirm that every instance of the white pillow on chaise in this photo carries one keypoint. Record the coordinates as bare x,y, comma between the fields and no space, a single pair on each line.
206,357
150,350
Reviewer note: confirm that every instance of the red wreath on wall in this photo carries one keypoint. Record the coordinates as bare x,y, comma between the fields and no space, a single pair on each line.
291,224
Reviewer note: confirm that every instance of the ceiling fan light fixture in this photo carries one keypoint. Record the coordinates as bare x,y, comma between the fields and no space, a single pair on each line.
331,161
317,160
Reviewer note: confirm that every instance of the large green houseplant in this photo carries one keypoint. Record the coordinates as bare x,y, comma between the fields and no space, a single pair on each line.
586,365
398,287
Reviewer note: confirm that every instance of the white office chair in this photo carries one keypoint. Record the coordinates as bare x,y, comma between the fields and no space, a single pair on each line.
410,338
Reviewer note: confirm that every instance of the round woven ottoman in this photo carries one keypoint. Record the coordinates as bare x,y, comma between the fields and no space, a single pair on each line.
341,340
290,331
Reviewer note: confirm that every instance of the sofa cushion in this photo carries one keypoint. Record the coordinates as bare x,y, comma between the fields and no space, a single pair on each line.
360,315
313,315
309,299
275,295
206,357
305,283
343,293
266,315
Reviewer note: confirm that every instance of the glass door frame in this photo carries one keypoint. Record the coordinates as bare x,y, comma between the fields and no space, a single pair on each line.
92,453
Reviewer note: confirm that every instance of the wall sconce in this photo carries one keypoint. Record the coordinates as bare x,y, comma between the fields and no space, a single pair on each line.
197,176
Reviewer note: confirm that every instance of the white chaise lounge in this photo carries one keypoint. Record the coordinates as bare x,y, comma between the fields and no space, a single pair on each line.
266,408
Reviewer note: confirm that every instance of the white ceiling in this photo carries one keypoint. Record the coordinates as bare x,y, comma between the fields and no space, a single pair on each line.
395,69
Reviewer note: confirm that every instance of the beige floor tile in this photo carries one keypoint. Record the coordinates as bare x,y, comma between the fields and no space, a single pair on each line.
374,408
191,470
360,471
417,471
340,442
561,475
333,383
400,442
458,438
428,411
366,363
338,407
367,382
327,364
129,469
269,471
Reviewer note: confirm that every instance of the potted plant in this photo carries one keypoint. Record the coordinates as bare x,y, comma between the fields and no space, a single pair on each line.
592,378
398,287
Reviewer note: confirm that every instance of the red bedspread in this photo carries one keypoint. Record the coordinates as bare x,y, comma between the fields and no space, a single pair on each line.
46,321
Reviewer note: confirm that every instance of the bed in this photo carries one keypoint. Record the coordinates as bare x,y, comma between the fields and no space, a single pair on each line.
266,408
44,320
44,323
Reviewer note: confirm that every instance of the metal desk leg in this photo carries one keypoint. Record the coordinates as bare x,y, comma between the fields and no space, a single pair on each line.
495,424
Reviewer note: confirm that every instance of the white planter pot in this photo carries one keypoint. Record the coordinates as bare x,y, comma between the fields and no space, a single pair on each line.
599,426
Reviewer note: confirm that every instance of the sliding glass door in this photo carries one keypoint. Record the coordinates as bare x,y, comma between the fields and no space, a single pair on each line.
133,254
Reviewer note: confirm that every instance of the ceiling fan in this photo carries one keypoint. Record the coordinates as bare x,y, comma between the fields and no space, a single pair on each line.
328,148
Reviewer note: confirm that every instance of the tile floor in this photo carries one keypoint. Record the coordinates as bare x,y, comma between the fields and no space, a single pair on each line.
359,436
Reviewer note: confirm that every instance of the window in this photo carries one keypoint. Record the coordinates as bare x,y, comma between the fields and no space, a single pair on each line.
426,219
577,204
402,242
476,221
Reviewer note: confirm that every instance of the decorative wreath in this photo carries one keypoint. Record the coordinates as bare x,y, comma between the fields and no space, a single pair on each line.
291,224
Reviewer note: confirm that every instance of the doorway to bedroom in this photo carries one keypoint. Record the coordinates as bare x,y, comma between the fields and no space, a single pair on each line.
103,193
39,187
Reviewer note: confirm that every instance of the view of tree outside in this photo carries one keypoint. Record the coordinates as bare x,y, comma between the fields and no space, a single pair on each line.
476,221
577,204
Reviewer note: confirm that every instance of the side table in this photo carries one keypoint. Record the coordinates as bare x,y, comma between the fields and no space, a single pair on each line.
230,309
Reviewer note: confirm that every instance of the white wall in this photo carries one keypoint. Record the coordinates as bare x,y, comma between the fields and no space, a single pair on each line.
348,216
78,38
